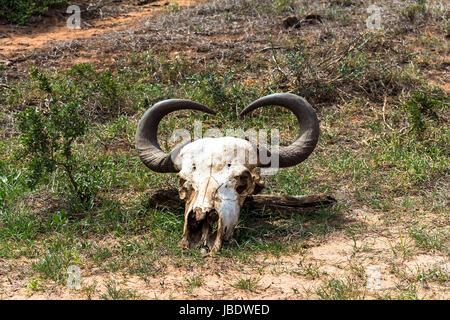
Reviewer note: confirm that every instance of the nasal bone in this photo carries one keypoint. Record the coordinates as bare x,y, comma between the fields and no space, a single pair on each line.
204,201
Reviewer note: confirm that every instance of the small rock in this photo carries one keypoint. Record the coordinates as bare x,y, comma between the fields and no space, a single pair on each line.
313,19
294,22
291,22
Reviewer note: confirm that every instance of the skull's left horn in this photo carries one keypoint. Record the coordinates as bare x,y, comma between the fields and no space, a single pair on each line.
146,134
308,135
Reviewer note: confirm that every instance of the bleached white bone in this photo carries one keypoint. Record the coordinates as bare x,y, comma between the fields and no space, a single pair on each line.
211,170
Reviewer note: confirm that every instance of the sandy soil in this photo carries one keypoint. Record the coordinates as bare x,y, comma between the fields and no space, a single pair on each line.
336,256
278,278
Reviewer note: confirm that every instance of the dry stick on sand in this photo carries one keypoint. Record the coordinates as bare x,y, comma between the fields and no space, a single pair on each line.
258,203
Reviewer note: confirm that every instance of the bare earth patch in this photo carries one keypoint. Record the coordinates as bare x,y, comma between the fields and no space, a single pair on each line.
293,276
19,42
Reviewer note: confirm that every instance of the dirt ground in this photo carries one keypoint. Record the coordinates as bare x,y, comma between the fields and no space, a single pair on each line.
50,44
277,278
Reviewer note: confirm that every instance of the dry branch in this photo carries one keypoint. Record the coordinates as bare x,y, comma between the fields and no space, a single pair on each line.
258,203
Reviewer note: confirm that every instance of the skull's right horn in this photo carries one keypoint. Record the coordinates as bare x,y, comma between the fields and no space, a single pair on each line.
308,136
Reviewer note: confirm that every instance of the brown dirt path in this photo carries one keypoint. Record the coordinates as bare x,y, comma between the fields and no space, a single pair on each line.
16,41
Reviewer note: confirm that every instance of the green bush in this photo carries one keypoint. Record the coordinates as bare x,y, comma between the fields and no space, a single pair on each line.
20,11
89,177
52,132
413,11
48,133
422,105
102,95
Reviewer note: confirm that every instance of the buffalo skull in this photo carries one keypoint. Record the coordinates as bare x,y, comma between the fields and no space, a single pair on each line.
217,174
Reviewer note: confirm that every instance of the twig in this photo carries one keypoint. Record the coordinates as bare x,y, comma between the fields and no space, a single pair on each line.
268,48
274,58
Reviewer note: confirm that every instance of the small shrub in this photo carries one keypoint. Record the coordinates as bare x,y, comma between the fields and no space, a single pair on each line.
47,135
426,239
20,11
100,91
283,6
173,7
88,179
51,131
422,105
413,11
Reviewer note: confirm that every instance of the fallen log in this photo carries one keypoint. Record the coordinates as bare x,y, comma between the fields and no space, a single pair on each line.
256,203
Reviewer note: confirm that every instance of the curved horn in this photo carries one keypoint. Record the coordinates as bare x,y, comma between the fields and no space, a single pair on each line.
308,136
146,134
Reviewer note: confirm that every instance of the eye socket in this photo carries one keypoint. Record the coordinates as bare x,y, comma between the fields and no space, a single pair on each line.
241,188
229,165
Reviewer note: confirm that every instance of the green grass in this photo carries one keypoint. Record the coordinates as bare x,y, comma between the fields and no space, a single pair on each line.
336,289
247,284
427,239
309,270
35,284
115,293
411,12
194,282
403,292
435,274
